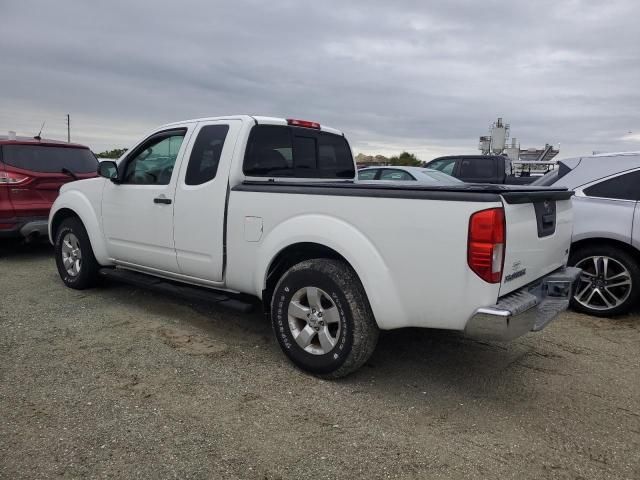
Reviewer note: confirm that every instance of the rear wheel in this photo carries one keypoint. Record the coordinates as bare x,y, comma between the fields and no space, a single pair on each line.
609,283
322,318
76,263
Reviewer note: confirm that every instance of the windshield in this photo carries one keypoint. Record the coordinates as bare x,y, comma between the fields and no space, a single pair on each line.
47,159
445,165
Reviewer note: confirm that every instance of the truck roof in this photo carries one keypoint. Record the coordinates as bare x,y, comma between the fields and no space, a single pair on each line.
259,120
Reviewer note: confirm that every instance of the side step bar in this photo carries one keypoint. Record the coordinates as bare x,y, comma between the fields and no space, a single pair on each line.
222,299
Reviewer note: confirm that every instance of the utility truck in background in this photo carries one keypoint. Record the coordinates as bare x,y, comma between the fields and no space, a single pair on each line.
269,207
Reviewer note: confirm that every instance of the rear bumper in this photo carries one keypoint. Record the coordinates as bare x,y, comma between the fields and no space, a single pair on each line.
24,227
529,309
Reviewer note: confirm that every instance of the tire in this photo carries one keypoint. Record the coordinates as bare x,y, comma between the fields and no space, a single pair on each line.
340,335
598,293
72,242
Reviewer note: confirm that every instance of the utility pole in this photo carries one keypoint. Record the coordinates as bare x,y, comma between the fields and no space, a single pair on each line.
68,129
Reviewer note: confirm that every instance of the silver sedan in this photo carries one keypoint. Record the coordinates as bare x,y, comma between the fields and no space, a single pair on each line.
406,174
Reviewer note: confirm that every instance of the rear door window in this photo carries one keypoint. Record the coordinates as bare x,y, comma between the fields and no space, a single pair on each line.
622,187
279,151
205,154
45,159
393,174
368,174
478,168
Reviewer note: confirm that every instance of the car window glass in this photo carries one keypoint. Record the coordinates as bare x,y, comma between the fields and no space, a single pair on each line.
46,159
153,163
269,152
622,187
280,151
205,155
367,174
304,154
445,166
388,174
334,156
478,168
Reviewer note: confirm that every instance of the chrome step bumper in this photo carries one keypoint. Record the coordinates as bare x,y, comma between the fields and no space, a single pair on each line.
529,309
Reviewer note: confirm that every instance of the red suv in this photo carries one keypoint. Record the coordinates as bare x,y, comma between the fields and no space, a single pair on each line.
31,174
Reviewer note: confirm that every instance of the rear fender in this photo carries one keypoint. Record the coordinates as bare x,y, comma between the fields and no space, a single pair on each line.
351,244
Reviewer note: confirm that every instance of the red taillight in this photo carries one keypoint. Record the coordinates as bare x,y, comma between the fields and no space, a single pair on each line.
10,178
303,123
485,252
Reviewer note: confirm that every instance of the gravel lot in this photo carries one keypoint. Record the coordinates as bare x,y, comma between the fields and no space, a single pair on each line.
119,382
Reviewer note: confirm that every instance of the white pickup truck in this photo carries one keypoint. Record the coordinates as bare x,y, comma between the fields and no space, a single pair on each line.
270,208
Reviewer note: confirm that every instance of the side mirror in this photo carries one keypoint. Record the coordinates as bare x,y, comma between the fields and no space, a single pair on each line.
108,169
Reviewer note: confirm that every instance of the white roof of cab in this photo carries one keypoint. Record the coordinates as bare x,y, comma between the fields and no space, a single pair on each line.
261,120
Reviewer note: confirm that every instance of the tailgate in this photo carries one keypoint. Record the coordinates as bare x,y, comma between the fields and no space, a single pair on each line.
538,235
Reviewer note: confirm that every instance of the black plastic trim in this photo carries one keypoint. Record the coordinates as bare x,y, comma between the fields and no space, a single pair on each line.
354,190
464,193
536,196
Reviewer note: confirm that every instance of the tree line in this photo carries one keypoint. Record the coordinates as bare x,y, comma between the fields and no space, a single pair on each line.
115,153
405,159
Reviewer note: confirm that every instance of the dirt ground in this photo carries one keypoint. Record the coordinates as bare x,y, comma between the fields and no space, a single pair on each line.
119,382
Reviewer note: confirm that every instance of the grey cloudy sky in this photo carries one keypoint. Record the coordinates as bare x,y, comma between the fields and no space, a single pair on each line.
427,76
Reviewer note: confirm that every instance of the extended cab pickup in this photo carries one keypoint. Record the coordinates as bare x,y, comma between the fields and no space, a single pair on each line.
269,208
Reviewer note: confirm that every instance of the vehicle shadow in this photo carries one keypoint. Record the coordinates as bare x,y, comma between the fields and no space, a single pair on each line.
408,360
10,248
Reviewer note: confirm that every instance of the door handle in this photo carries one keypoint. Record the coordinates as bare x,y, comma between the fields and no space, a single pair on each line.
162,199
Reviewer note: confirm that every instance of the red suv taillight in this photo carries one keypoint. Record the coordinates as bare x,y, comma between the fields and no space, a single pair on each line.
485,251
11,178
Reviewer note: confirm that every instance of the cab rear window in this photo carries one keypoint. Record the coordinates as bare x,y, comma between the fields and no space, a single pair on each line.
45,159
295,152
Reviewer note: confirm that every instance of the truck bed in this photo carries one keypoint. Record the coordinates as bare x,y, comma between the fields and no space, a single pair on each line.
411,255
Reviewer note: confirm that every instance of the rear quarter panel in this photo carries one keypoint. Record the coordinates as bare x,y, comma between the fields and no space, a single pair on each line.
602,218
411,255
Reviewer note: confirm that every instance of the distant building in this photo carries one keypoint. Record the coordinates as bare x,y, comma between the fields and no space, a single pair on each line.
496,143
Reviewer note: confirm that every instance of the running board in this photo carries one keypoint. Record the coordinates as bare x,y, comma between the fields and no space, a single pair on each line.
222,299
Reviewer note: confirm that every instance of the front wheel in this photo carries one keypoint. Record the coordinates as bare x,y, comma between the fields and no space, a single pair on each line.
322,318
609,283
76,263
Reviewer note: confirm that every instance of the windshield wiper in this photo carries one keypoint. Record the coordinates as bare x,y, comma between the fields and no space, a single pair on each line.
69,172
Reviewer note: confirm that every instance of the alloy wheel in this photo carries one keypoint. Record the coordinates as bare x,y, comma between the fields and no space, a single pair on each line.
605,283
71,254
314,320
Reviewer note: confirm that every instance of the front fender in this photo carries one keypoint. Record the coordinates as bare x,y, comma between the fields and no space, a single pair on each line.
350,243
78,203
